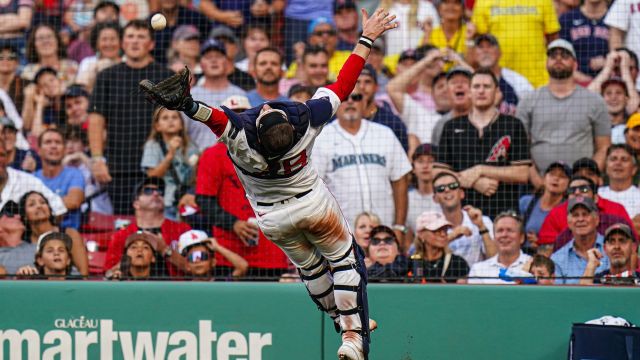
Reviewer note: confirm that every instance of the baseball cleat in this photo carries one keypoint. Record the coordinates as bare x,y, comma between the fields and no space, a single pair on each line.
351,348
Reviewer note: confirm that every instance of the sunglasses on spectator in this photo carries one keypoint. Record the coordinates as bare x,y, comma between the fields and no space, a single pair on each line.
148,190
388,240
197,256
442,188
355,97
10,210
582,189
325,32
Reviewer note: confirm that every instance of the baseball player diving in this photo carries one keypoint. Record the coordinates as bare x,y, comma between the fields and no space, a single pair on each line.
270,147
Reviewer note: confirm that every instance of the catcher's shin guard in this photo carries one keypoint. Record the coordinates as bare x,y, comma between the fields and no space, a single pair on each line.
350,288
319,282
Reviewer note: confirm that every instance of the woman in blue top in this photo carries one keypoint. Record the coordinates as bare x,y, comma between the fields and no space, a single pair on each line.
534,208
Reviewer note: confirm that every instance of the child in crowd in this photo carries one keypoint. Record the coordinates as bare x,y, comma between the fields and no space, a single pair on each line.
169,154
199,250
542,268
139,258
53,258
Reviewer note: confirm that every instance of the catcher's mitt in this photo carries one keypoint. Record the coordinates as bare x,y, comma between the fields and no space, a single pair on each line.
172,93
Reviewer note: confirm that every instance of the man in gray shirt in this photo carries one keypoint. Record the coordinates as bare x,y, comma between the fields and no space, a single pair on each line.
565,121
212,89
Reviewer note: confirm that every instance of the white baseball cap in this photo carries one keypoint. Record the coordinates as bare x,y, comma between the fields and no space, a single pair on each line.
191,238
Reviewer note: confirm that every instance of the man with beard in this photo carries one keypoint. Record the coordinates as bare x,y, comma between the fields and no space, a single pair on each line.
267,71
494,148
564,121
65,181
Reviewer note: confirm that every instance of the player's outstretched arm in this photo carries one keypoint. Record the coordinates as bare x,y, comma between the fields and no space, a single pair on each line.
372,28
173,93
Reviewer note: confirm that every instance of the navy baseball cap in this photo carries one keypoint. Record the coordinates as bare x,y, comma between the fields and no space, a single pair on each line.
75,90
369,70
560,165
213,45
458,70
344,4
149,180
586,163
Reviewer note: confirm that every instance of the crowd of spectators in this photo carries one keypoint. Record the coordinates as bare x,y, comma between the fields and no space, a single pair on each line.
484,142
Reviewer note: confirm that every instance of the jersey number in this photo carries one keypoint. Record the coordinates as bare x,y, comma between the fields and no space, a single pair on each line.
293,164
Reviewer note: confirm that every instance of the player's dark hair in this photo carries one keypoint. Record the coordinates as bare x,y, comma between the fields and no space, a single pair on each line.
138,24
95,33
271,50
313,50
278,139
487,72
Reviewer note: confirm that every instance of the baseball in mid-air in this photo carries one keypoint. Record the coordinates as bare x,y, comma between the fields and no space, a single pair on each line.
158,22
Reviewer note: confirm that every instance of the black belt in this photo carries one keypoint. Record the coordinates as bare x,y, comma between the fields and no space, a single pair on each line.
297,196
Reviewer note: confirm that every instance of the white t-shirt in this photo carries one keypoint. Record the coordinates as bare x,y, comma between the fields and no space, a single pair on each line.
418,204
629,198
408,36
519,83
420,121
471,248
20,183
359,168
488,271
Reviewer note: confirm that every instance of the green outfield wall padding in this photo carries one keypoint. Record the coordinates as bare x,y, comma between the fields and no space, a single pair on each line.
255,321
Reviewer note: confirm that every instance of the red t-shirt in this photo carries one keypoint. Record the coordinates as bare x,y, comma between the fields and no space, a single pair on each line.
170,230
217,177
556,220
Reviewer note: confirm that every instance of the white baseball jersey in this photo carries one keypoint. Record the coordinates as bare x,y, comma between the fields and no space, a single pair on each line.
359,168
290,175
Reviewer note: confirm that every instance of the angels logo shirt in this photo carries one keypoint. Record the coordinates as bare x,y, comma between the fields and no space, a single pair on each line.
503,143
